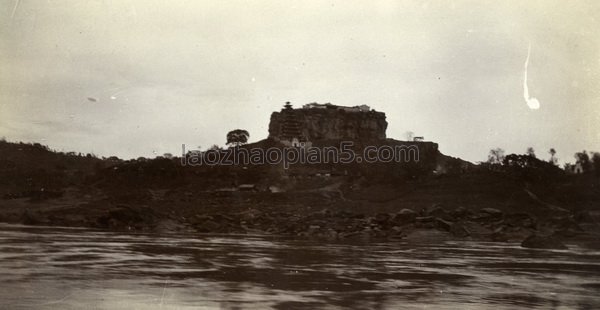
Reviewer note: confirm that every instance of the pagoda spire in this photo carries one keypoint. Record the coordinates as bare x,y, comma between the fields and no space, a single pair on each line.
291,127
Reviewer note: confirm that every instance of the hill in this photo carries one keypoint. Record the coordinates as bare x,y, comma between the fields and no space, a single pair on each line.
40,186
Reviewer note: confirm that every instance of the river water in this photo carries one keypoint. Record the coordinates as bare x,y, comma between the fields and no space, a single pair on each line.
66,268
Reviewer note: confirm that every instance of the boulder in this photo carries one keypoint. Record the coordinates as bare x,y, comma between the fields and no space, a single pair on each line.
208,226
168,226
342,214
543,242
499,235
491,211
127,217
443,224
425,221
584,217
27,218
382,218
563,223
219,217
347,235
249,215
395,231
460,212
489,214
459,230
440,212
520,220
199,219
404,217
331,234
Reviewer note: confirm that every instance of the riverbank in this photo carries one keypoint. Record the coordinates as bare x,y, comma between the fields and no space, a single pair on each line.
325,214
503,203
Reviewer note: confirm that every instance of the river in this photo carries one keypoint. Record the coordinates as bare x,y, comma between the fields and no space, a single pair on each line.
69,268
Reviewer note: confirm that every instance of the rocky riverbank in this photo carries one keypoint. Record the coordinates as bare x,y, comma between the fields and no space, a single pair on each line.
536,204
438,222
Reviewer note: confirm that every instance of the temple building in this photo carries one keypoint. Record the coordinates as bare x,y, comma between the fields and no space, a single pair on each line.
291,127
326,122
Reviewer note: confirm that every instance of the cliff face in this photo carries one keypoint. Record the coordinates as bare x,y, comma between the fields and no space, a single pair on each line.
332,124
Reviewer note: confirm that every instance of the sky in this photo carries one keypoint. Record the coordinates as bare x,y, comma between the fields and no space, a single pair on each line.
140,77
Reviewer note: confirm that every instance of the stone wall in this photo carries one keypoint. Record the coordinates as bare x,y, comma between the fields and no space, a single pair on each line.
334,124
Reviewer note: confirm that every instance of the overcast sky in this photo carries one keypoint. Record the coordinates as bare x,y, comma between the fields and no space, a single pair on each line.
138,78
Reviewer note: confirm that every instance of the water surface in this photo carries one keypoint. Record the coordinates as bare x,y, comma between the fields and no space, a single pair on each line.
66,268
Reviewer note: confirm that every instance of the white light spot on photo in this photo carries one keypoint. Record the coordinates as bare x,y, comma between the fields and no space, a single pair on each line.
532,103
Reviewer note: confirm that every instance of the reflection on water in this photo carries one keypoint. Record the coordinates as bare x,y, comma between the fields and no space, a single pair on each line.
62,268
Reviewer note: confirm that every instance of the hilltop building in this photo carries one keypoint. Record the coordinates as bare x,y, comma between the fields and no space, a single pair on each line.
321,122
290,128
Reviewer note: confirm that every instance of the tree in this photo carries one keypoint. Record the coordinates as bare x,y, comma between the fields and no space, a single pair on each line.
496,156
521,161
583,159
531,152
528,168
237,137
596,163
553,159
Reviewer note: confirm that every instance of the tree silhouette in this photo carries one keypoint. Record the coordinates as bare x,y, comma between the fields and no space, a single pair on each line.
237,137
583,159
496,156
553,159
596,163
